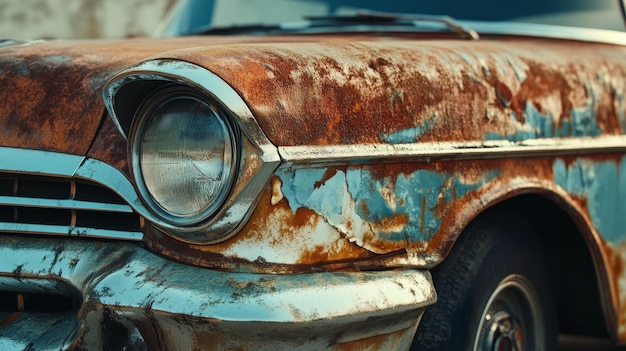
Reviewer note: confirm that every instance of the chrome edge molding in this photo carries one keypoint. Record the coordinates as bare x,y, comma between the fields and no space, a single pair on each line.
25,161
426,152
593,35
16,160
253,175
535,30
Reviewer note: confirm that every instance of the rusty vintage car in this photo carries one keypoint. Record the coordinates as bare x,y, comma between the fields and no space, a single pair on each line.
334,175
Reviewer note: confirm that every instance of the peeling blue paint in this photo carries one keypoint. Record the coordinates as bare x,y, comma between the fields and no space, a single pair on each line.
59,58
356,199
584,118
465,56
539,125
505,62
621,114
493,136
584,123
520,72
603,185
22,69
410,135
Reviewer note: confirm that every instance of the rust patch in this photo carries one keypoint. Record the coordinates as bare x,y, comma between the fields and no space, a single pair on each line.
10,319
277,239
332,92
398,340
616,257
366,90
110,147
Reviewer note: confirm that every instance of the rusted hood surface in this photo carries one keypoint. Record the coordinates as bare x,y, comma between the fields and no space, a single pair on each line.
317,90
401,91
51,91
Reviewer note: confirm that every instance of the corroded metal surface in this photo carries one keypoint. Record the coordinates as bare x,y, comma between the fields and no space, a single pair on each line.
335,213
361,216
597,189
127,295
50,91
403,91
110,147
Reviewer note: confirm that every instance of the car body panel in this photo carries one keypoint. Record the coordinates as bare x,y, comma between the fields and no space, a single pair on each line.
408,84
120,283
501,118
389,145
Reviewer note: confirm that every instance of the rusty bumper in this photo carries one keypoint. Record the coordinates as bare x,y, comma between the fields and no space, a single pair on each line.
90,294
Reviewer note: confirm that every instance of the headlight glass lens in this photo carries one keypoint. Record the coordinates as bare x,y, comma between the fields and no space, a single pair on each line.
184,155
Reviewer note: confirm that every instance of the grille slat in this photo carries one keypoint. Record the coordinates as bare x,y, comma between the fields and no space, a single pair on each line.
44,229
64,206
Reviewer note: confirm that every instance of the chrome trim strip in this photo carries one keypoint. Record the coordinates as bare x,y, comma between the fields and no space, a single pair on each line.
605,36
62,165
47,229
63,204
425,152
109,176
36,161
112,178
481,28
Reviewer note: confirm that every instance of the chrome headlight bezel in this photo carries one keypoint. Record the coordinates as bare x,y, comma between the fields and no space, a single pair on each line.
257,158
149,111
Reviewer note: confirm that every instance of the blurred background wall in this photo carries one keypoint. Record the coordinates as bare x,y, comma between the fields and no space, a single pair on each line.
71,19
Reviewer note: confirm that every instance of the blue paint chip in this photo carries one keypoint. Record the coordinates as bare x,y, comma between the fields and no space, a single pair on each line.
538,125
603,185
59,58
410,135
356,195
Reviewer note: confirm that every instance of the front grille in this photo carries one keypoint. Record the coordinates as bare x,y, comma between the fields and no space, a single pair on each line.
11,301
64,206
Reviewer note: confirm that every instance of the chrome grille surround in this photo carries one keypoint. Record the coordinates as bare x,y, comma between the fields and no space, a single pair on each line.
50,193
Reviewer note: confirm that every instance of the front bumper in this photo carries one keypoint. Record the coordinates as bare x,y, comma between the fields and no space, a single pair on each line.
124,297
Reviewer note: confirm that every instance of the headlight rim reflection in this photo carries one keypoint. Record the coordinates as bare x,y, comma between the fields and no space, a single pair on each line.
147,113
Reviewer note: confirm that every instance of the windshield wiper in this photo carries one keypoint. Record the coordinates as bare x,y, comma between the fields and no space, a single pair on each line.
383,18
237,29
360,19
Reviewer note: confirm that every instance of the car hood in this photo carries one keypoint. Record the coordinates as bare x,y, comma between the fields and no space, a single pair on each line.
50,95
51,91
385,90
312,90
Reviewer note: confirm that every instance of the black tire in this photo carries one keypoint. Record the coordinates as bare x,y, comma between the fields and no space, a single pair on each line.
498,253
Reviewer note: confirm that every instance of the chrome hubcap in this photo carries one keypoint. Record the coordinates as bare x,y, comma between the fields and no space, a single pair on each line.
504,332
511,320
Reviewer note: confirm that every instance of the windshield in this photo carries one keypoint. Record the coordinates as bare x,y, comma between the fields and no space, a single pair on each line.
191,15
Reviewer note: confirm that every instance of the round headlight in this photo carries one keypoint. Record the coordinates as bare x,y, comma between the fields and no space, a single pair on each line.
183,155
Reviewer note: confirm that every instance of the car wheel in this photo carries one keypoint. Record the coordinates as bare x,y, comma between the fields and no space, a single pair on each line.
493,291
